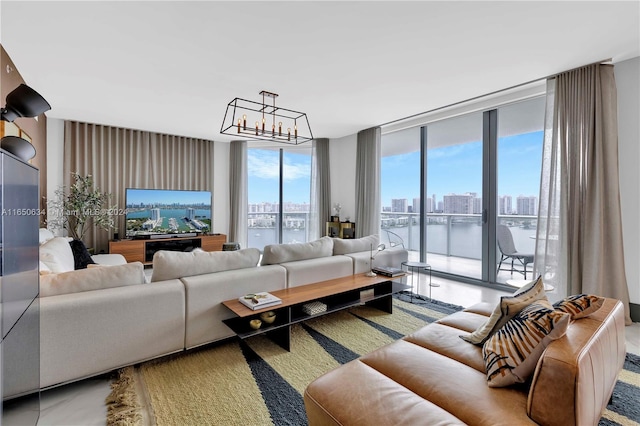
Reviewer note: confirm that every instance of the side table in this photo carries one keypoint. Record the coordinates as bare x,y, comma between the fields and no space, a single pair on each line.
417,266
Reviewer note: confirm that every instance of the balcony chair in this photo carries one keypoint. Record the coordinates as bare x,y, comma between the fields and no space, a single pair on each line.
508,251
395,240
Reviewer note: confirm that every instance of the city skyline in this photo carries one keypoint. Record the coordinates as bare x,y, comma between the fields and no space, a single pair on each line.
453,169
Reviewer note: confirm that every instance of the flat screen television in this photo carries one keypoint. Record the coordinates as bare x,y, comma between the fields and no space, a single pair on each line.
167,212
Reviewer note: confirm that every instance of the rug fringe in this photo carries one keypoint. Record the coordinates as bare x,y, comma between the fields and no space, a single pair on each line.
123,406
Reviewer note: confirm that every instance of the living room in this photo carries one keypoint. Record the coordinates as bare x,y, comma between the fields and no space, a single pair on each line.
335,102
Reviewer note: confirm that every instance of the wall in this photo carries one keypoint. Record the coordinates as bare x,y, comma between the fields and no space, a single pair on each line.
627,75
342,154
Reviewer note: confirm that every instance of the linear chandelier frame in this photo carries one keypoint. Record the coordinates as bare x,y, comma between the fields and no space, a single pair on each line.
273,123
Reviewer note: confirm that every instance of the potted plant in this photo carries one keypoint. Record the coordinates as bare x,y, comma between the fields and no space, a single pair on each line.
80,208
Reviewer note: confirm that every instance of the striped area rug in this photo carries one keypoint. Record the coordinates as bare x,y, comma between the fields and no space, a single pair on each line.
255,382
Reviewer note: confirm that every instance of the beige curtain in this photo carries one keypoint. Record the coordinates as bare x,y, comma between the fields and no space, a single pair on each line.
320,210
123,158
579,242
238,193
368,182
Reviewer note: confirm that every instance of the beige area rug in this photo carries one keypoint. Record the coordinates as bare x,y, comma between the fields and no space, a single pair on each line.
256,382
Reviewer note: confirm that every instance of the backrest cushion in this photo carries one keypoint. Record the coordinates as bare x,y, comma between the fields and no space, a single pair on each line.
508,307
579,305
168,265
280,253
342,246
57,255
511,354
91,279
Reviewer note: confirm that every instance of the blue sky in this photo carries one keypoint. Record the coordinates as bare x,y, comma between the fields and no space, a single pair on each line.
452,169
458,169
263,167
166,196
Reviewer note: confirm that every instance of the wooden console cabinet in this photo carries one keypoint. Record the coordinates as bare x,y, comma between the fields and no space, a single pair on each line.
142,250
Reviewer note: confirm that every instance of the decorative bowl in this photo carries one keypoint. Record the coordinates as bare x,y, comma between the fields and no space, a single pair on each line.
268,317
255,324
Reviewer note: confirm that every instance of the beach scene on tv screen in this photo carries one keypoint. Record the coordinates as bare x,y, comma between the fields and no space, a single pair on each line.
157,211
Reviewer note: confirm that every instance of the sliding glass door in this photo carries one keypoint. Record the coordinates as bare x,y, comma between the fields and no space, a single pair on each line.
472,174
278,177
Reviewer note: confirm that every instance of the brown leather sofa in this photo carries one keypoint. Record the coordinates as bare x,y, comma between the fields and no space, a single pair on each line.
432,377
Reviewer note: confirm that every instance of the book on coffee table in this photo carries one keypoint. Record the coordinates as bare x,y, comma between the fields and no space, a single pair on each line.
388,271
260,300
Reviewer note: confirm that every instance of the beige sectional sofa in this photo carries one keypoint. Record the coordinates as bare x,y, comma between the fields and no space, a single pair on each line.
105,317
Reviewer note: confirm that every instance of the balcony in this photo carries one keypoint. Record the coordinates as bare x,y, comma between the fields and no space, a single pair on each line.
454,241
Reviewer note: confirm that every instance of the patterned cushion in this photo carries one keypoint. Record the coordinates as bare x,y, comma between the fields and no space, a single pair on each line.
508,307
511,354
579,305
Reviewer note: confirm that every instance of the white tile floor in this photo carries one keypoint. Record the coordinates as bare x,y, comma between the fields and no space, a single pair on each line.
82,403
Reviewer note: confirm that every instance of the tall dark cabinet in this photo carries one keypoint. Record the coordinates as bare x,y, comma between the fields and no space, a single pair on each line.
19,288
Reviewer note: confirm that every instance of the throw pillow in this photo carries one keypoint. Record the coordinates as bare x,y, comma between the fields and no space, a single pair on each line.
508,307
57,255
81,256
579,305
511,354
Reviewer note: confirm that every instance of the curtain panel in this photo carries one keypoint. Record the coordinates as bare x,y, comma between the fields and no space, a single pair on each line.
579,245
320,210
120,158
238,190
368,153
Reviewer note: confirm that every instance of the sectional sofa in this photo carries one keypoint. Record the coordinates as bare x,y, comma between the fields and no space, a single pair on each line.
102,318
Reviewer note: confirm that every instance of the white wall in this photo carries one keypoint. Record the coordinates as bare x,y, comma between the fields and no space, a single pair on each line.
627,75
55,157
342,154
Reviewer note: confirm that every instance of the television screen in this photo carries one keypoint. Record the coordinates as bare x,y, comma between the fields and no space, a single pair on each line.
164,211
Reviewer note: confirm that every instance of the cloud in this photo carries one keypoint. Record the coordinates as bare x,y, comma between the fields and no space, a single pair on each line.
266,165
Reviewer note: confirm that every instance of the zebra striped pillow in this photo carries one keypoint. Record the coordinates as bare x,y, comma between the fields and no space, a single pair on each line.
511,354
579,305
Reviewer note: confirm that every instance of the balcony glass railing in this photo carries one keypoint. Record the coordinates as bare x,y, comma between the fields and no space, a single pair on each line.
263,228
456,235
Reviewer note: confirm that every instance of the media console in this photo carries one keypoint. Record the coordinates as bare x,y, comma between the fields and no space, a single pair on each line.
143,250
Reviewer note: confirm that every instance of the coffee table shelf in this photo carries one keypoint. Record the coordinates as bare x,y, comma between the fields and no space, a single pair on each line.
337,294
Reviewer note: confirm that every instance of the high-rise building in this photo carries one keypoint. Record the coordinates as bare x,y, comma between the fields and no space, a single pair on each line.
527,206
505,205
155,214
458,204
191,213
477,205
416,205
431,205
399,205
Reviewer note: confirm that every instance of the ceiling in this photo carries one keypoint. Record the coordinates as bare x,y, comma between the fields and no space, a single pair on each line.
173,66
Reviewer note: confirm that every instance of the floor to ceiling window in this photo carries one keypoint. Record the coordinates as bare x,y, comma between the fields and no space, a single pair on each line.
278,177
480,170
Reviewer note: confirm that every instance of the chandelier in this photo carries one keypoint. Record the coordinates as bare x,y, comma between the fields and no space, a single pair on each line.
272,123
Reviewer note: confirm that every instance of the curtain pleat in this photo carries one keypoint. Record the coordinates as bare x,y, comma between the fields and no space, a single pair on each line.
368,182
120,158
320,206
238,190
579,245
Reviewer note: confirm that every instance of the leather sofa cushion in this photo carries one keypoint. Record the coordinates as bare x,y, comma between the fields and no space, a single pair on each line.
168,265
342,246
91,279
282,253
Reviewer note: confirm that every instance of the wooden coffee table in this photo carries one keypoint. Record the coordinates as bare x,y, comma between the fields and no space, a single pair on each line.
337,294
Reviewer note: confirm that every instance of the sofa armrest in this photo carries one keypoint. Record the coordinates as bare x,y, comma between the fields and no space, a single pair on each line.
575,376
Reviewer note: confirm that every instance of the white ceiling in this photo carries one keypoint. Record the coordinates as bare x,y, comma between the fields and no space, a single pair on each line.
172,67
